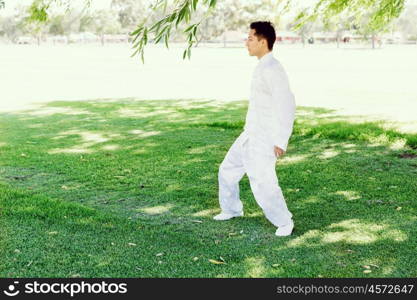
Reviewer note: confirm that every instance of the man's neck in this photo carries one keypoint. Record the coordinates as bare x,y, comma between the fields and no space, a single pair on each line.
263,54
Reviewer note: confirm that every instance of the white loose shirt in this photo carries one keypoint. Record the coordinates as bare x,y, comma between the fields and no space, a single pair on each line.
271,110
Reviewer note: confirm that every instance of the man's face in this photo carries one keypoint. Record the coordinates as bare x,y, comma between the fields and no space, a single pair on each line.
255,46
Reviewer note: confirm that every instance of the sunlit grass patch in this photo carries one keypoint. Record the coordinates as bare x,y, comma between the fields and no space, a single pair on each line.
104,193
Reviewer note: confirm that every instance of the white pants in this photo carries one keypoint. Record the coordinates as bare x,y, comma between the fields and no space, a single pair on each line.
257,159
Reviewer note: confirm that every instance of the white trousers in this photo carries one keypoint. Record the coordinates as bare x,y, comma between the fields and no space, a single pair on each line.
257,159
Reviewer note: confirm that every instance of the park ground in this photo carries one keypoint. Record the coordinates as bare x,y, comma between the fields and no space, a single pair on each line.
354,79
123,187
128,189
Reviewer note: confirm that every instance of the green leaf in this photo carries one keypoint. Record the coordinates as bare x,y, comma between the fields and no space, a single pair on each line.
194,4
142,57
161,34
180,17
187,14
158,4
165,6
156,25
166,39
137,31
138,34
158,39
138,43
136,52
172,17
38,12
145,36
189,28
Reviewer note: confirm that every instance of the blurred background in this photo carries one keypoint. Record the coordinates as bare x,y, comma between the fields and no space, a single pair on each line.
84,52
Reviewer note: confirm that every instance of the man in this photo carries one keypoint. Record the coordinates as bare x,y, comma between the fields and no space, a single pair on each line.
268,127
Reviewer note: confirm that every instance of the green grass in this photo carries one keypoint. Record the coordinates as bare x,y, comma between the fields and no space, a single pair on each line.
128,189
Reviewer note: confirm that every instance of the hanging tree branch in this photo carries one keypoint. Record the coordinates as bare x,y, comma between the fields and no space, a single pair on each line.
380,14
162,29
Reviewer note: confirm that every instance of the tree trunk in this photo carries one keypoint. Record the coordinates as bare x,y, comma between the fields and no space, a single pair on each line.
338,39
373,41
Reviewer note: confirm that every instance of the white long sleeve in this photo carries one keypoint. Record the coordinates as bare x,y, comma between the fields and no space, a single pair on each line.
271,110
282,106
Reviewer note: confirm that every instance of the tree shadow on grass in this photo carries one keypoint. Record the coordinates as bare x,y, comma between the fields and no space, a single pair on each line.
156,162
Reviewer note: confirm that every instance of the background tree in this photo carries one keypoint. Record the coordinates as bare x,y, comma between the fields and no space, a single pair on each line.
8,27
368,30
380,14
56,26
305,31
69,22
105,22
86,21
130,13
383,12
33,22
231,15
338,24
407,23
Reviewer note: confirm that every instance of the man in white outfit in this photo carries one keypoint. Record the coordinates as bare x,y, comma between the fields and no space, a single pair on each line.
268,127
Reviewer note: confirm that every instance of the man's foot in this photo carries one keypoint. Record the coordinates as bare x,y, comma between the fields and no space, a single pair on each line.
226,216
285,230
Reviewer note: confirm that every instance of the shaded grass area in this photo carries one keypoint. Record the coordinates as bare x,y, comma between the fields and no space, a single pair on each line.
127,189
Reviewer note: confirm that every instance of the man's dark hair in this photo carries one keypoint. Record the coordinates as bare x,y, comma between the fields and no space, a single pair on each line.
265,30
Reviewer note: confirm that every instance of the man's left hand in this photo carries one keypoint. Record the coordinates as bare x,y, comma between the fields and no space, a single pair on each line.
278,151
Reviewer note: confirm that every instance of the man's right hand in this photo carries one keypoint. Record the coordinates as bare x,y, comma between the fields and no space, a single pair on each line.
278,151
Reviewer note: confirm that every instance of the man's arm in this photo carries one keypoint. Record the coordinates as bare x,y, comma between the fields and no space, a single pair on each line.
283,107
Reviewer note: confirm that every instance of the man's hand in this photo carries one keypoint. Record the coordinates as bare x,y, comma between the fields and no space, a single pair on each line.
278,151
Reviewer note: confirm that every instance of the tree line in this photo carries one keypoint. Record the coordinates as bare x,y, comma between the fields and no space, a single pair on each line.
164,21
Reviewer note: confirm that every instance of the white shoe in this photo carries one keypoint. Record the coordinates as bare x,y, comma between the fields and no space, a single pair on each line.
285,230
226,216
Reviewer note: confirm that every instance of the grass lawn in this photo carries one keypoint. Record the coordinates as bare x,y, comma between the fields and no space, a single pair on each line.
123,188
